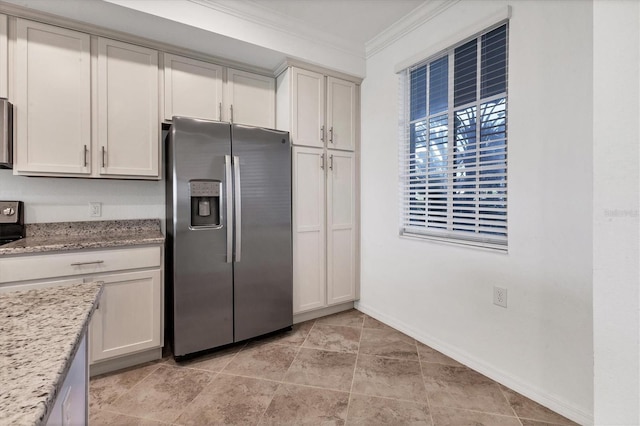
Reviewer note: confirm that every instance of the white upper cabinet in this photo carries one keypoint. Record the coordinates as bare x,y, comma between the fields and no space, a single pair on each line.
341,114
250,99
52,100
128,124
4,57
192,88
341,227
307,108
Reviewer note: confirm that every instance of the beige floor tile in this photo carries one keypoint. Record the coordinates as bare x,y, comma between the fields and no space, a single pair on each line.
428,354
333,338
325,369
213,361
371,410
443,416
461,387
297,405
388,343
350,318
391,378
527,422
232,400
263,361
295,337
528,409
315,362
104,390
370,322
163,394
107,418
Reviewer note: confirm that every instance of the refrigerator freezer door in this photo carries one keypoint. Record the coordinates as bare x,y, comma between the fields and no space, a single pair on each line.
263,277
201,278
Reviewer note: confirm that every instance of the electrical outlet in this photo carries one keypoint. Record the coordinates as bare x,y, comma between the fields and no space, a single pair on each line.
500,296
95,209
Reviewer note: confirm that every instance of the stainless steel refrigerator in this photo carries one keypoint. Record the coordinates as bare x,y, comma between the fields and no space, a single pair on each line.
229,268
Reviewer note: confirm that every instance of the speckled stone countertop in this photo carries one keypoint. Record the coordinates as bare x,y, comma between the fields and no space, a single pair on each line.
40,331
44,237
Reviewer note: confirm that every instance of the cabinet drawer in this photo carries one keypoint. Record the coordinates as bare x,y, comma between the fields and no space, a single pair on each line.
34,267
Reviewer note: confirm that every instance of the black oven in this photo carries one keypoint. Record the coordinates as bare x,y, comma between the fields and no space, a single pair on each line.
11,221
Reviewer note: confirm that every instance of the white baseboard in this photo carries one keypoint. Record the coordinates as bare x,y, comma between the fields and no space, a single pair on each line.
125,362
552,402
322,312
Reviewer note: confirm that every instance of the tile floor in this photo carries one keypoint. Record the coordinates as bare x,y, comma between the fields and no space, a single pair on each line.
347,368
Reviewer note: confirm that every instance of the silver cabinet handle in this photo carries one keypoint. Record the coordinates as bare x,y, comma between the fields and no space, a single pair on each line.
322,161
322,133
85,155
229,206
238,198
104,158
220,111
94,262
331,134
331,162
231,108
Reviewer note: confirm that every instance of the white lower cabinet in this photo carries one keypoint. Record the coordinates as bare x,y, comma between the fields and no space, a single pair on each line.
127,319
127,326
324,228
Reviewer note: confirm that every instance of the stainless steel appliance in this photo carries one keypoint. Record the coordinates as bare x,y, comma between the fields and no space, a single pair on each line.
229,252
6,134
11,221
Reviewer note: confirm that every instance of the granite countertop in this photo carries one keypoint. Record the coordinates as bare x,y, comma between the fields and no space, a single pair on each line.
40,331
60,236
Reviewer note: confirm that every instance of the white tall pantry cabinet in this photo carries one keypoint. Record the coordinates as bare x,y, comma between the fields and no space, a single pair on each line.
321,112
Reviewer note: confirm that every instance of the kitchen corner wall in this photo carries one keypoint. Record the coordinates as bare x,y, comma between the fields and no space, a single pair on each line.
67,199
542,343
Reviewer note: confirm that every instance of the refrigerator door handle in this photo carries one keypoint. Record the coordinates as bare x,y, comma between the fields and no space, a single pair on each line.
229,206
238,205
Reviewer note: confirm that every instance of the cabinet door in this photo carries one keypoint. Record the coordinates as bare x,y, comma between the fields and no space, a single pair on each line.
53,99
192,88
251,99
128,317
341,114
4,57
341,228
309,283
307,108
128,136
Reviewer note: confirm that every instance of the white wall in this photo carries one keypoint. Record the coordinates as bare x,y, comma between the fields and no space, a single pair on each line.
616,213
541,345
67,199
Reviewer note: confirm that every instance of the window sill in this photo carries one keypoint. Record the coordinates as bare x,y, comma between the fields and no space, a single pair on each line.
494,248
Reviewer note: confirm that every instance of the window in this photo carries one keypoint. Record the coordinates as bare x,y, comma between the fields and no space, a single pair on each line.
454,143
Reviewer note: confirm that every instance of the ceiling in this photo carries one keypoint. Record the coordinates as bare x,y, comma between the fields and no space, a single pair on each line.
257,33
357,21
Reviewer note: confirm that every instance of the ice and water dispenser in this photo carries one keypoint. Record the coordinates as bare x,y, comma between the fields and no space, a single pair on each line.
205,203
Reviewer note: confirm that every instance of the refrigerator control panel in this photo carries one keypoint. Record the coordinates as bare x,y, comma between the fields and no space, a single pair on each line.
204,188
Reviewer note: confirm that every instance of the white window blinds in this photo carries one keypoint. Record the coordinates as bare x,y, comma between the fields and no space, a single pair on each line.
454,143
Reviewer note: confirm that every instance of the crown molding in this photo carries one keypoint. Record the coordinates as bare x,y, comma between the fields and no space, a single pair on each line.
259,14
423,13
